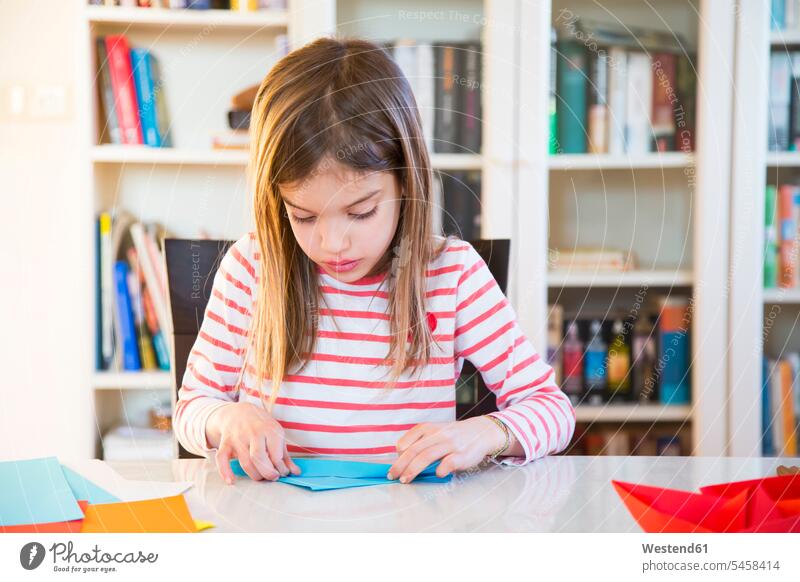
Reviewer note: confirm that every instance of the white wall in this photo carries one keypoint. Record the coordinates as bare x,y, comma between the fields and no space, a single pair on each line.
45,402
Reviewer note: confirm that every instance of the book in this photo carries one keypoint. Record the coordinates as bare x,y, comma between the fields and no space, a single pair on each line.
638,103
572,72
110,132
674,356
122,83
664,83
779,101
145,96
770,238
617,99
124,319
598,104
445,122
788,274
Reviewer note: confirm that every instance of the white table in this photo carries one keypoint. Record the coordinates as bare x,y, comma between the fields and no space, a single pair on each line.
559,494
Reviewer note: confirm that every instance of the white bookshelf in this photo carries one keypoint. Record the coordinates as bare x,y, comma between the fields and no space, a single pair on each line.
186,19
664,206
127,154
766,320
527,195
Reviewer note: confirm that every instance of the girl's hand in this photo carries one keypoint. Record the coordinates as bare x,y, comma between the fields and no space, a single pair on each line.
461,445
249,433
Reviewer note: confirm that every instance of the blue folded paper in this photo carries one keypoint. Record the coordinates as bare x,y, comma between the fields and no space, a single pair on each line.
325,474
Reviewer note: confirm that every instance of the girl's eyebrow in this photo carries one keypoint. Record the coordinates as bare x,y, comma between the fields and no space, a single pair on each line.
359,201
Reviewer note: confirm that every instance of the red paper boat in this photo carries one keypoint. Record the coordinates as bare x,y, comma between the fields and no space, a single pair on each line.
771,504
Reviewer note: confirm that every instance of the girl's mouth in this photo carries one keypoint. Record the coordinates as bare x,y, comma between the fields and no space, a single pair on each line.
343,266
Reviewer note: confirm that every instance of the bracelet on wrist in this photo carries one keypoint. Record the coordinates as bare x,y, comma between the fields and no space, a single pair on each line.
504,428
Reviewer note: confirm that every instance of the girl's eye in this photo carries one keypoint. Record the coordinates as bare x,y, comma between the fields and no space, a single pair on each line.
365,215
302,220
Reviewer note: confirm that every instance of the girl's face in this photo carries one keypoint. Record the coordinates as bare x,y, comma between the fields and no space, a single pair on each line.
343,220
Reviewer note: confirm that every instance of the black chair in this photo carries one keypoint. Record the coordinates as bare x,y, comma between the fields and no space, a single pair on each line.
191,266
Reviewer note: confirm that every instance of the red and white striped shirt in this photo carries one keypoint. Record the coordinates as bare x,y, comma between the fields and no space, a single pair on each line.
338,403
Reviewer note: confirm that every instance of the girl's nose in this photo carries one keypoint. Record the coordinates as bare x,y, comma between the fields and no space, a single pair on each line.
333,238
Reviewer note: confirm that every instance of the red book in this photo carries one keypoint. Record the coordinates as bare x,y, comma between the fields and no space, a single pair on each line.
119,64
787,237
664,65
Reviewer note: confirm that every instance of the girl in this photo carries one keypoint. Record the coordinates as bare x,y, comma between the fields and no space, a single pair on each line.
346,306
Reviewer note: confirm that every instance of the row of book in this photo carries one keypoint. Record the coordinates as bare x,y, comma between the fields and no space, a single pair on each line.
619,91
239,5
641,357
445,80
131,87
626,441
131,295
780,405
785,15
781,232
784,101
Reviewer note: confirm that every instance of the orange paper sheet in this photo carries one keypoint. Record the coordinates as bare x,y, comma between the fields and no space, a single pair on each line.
73,526
165,515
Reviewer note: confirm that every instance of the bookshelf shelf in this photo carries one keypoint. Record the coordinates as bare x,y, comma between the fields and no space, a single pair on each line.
652,161
632,413
131,380
127,154
187,19
665,278
784,37
783,160
782,296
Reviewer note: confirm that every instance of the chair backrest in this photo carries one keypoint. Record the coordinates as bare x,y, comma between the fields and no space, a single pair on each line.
192,264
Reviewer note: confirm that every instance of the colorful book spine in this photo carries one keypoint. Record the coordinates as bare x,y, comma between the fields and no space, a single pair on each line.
770,239
145,96
674,354
111,131
446,125
553,109
617,95
572,72
639,103
124,91
598,104
664,81
767,443
787,222
125,318
779,101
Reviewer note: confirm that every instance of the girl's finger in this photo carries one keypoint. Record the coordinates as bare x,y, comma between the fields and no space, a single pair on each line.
449,464
243,454
401,463
258,454
422,460
275,448
289,462
223,460
410,437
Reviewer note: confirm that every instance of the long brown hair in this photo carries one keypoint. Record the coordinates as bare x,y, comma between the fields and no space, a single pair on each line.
342,100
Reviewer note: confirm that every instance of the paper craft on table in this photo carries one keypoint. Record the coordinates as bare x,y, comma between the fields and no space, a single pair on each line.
166,515
771,504
319,474
35,491
73,526
100,474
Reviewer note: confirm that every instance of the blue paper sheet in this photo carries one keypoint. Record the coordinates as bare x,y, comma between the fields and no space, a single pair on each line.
82,488
325,474
35,491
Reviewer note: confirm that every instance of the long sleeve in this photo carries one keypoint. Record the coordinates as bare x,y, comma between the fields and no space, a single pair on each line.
217,355
487,333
